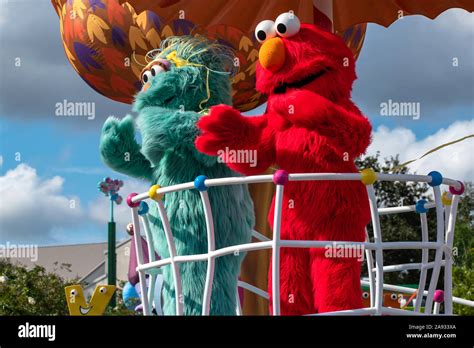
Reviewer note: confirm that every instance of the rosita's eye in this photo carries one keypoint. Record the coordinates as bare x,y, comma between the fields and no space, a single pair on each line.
156,69
265,30
146,77
287,24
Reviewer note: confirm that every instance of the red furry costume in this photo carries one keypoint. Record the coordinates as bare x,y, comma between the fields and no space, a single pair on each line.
310,126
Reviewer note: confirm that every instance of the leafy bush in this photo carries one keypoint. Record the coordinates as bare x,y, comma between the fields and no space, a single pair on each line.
31,292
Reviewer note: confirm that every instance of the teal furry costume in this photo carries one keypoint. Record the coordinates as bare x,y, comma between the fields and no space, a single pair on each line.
188,78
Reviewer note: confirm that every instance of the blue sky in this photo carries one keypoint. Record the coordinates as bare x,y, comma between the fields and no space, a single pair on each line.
409,61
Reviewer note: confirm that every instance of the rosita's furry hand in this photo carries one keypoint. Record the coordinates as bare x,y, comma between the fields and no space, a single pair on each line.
119,149
224,127
115,133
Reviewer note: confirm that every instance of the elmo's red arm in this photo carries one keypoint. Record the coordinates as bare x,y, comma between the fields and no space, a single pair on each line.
245,144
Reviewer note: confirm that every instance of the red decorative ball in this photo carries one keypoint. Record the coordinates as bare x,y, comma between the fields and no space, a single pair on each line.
129,201
457,192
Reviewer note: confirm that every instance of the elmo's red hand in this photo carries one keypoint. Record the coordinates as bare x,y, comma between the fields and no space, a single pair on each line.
223,127
226,130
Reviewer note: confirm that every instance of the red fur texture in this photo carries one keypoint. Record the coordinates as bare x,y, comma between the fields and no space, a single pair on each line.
311,126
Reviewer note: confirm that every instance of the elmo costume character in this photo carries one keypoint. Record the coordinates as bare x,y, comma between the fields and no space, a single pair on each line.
310,126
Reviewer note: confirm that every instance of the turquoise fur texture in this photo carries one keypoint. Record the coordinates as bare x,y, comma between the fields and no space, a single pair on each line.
168,111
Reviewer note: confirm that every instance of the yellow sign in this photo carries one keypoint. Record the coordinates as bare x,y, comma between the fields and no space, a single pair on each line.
78,305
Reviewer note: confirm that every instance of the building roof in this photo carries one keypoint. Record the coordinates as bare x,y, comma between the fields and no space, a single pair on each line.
82,258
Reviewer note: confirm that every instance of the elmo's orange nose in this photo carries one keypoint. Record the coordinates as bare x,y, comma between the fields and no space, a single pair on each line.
272,54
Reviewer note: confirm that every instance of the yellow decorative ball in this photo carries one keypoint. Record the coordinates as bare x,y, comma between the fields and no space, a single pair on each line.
152,192
368,176
446,199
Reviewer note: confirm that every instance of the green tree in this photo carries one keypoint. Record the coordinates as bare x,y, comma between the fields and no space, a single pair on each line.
31,291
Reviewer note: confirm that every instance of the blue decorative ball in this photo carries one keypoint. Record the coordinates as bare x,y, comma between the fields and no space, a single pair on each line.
199,183
420,206
143,208
436,178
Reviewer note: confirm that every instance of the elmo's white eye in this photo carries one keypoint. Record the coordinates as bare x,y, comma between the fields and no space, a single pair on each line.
265,30
146,77
103,290
394,297
287,24
365,295
156,69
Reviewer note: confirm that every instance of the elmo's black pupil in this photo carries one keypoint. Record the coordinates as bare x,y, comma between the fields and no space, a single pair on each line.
281,28
261,35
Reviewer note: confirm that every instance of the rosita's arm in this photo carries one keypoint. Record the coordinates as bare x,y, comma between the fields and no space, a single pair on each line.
120,151
245,144
345,128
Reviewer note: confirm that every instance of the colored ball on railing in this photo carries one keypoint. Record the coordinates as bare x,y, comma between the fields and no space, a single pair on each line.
143,208
436,178
439,296
130,229
420,206
199,183
129,200
446,198
455,191
280,177
119,200
107,180
368,176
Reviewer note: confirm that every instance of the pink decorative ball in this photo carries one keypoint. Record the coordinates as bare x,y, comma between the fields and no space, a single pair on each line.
455,191
280,177
439,296
129,200
130,229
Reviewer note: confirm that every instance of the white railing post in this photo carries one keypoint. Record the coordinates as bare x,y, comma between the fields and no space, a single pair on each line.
172,251
151,258
439,250
370,270
378,250
138,250
448,266
211,246
424,261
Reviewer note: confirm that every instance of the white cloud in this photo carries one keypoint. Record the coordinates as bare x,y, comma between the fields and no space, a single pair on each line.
35,209
455,161
31,207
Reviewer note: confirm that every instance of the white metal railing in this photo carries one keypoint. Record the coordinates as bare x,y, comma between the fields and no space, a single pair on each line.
445,206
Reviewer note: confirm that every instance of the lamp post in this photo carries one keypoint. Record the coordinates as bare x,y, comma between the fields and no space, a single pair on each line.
110,189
